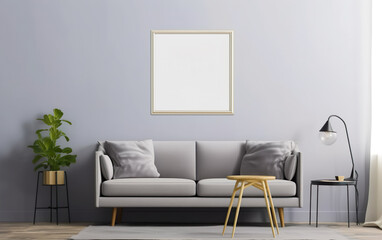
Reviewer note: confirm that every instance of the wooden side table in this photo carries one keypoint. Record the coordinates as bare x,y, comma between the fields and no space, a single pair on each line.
260,182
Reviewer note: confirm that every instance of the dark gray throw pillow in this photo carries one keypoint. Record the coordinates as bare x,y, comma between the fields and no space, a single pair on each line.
290,166
266,158
132,159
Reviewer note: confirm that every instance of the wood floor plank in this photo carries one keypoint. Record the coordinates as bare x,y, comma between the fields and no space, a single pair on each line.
43,231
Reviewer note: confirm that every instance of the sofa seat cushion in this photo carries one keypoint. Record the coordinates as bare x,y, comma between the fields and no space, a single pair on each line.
149,187
222,187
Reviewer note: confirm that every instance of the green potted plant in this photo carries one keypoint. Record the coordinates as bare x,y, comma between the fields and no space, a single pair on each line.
49,155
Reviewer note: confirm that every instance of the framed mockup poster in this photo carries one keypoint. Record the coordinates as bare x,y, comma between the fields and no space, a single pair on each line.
191,72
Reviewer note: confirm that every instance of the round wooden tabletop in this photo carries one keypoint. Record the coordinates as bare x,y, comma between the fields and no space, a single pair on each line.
250,177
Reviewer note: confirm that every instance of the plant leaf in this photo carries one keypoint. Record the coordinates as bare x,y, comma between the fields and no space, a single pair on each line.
36,149
57,113
41,130
69,158
54,134
46,120
36,159
51,118
67,150
66,121
40,166
58,149
38,132
48,143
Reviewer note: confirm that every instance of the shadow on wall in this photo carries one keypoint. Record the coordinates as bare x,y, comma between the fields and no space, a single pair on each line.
17,178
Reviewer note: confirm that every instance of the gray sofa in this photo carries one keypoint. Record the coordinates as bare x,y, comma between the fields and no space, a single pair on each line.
192,174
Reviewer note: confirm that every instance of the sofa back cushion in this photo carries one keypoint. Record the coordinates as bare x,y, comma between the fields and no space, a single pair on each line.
173,159
218,159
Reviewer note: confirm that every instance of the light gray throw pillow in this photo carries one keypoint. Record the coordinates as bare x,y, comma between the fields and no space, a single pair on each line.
132,159
266,158
106,167
290,166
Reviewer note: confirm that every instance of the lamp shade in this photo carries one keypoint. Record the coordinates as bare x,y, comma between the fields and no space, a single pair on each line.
327,135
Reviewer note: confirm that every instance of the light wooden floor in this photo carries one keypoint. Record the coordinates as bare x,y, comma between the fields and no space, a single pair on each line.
40,230
64,231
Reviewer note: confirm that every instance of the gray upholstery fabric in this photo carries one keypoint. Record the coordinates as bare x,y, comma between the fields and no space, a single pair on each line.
132,158
266,158
149,187
98,177
290,166
106,167
101,146
218,159
222,187
210,202
175,159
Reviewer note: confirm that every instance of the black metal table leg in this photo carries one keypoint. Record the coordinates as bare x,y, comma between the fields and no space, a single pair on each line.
317,206
310,206
356,201
51,204
56,200
347,188
67,196
35,203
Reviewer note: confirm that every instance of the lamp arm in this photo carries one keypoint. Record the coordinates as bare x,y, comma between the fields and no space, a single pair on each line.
351,152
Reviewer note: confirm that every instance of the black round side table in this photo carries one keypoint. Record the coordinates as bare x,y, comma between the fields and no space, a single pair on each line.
333,182
51,207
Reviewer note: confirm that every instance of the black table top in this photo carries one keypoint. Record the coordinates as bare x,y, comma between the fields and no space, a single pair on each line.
333,182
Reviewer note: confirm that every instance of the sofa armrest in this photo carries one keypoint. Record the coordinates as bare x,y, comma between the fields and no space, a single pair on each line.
98,177
299,180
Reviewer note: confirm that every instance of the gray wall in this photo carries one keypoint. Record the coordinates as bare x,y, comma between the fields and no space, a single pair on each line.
295,63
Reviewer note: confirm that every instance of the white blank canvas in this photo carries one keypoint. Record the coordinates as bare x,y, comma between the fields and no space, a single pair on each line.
191,72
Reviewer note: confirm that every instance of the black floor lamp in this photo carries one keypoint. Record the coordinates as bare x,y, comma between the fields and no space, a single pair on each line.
328,137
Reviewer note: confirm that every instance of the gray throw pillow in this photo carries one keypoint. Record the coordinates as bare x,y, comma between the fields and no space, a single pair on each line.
266,158
290,166
106,167
132,159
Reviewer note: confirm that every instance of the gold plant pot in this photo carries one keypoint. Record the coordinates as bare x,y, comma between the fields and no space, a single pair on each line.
50,178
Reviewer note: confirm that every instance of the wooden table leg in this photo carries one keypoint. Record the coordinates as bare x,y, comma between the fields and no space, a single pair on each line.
272,207
281,214
238,207
269,211
230,206
114,215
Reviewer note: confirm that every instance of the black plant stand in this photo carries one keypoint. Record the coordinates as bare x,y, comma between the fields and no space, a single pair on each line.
51,197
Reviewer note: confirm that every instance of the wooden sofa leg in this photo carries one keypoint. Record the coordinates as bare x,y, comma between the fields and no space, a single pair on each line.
113,217
119,215
281,214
